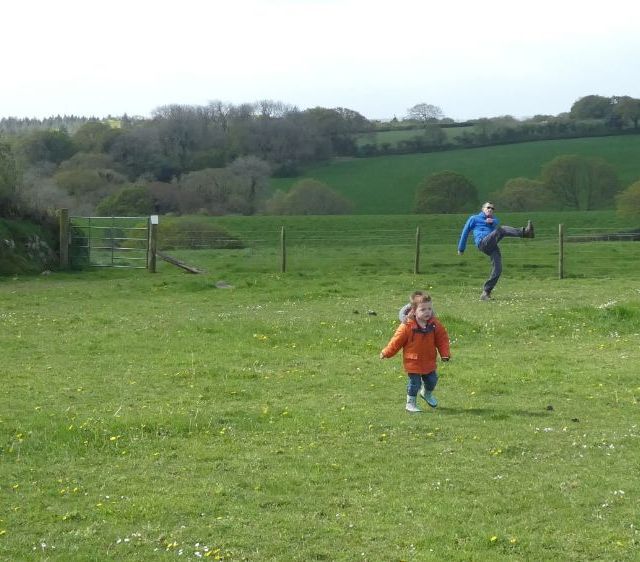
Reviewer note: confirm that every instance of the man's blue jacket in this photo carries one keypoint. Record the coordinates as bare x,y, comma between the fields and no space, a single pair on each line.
480,227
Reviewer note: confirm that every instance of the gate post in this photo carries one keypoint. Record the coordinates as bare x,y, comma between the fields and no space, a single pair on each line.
561,251
283,251
416,264
152,243
64,238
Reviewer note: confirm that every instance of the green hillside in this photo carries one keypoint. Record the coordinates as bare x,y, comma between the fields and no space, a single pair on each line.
386,184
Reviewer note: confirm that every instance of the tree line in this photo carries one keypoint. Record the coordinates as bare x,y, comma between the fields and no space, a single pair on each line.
218,158
215,159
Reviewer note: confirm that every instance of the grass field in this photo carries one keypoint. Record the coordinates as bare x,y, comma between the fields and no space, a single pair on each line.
154,416
387,184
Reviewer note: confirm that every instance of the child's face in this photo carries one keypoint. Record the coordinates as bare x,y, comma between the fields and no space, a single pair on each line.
424,311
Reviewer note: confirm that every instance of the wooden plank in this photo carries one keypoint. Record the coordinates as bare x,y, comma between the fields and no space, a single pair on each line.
178,263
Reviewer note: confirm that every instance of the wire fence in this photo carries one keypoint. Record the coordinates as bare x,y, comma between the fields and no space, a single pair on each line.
584,252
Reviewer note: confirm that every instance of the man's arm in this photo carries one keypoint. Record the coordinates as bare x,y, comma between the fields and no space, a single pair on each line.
462,243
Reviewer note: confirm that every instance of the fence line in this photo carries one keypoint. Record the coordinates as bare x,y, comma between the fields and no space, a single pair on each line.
290,248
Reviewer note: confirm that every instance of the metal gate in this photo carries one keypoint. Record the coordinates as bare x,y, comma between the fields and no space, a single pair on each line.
109,242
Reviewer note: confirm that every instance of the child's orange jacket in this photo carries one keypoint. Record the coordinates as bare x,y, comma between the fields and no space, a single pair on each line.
419,345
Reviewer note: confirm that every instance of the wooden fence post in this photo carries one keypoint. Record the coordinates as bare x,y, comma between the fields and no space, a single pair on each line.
64,238
416,265
561,251
153,243
283,252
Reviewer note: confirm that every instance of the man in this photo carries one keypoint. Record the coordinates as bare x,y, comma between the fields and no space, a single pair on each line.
487,232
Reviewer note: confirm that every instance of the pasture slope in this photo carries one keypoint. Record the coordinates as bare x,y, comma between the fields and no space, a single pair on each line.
387,184
148,417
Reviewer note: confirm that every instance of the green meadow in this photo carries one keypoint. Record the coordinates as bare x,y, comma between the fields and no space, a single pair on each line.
387,184
159,417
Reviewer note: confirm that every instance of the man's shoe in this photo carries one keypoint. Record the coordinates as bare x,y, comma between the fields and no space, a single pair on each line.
428,397
527,232
485,296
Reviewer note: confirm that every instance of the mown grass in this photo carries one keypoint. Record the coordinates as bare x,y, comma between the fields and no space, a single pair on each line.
156,416
387,184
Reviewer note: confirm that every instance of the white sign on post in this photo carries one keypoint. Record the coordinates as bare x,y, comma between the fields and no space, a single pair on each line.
154,219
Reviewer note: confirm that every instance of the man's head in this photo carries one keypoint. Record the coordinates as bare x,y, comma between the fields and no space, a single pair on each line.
488,208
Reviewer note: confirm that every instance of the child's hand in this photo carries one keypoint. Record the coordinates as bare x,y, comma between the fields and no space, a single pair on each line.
382,355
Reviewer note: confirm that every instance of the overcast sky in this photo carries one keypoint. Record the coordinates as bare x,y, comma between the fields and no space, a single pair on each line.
477,58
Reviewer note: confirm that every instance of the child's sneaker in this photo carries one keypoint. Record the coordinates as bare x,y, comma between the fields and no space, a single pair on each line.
411,404
429,398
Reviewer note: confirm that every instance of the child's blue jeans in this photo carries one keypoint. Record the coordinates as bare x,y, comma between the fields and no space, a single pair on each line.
413,386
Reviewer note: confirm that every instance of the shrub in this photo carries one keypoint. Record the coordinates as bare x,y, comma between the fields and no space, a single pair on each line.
309,197
524,194
628,202
128,201
580,182
194,234
446,192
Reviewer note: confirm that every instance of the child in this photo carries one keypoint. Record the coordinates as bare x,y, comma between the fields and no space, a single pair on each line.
419,339
407,312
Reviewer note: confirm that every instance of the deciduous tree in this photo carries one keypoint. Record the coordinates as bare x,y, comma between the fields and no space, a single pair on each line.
45,146
524,194
627,109
8,180
309,197
592,107
446,192
95,136
580,182
129,200
253,180
425,113
628,201
215,191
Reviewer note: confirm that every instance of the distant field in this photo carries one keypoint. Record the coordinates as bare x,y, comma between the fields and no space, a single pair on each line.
387,184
